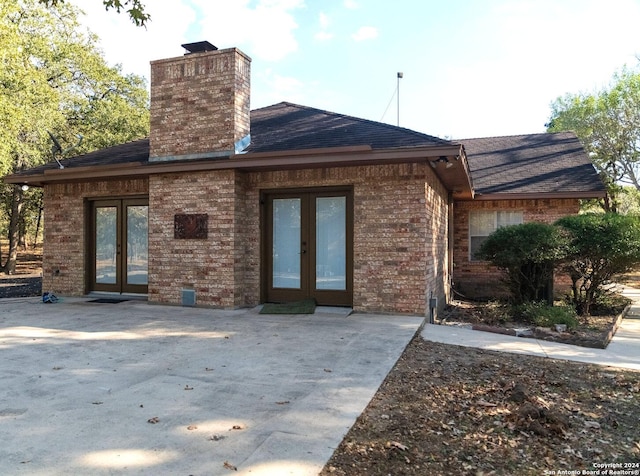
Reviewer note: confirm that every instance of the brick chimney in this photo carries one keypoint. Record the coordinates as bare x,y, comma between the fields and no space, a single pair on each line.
200,104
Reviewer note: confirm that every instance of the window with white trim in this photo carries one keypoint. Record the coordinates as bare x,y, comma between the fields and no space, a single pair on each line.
483,223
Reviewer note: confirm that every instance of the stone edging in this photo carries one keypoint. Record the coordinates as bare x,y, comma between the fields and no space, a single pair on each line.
496,330
512,332
616,324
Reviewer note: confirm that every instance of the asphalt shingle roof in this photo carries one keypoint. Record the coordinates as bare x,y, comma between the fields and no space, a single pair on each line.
281,127
129,152
136,151
532,163
286,126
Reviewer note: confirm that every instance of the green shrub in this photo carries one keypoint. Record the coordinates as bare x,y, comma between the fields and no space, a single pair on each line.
609,304
543,315
494,312
528,254
553,315
602,247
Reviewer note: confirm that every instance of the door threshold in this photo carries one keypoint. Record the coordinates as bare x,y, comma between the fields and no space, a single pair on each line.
339,311
108,295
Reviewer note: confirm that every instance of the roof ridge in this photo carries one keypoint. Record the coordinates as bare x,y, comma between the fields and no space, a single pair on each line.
360,119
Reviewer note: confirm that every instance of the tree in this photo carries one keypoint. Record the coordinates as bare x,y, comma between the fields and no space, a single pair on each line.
602,247
608,124
627,202
135,9
528,254
55,80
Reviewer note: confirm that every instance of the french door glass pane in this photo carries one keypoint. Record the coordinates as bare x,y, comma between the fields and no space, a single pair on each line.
137,245
331,243
106,244
286,243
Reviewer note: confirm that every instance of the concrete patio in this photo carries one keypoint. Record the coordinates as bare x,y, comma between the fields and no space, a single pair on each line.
133,388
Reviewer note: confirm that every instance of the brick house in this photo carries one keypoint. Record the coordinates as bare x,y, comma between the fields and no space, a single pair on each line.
516,179
226,207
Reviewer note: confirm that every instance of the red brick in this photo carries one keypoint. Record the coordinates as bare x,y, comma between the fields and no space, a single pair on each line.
478,278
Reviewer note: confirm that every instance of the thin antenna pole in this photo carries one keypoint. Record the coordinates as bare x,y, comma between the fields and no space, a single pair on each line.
400,75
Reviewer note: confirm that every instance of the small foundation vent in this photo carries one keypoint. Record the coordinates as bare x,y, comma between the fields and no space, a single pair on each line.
188,297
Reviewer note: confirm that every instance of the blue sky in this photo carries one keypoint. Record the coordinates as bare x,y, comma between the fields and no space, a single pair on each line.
471,68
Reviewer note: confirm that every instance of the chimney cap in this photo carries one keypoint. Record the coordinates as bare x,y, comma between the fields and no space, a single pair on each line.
198,47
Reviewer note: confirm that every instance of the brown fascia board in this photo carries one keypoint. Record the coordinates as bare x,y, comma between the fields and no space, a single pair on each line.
540,195
467,191
300,159
73,173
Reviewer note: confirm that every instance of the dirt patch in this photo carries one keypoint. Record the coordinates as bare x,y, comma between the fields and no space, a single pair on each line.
12,286
27,280
593,331
632,279
447,409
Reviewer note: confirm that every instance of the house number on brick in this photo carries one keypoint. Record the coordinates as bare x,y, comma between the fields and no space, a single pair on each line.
190,227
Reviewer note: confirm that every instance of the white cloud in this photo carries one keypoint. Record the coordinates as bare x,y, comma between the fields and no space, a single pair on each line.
323,34
350,4
266,29
324,21
547,69
133,46
365,33
273,88
286,85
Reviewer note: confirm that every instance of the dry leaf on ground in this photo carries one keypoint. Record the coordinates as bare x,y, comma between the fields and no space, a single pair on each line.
460,410
228,465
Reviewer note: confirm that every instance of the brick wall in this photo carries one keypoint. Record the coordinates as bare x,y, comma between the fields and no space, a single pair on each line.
479,279
199,103
401,245
247,246
400,231
204,265
400,234
64,231
224,268
438,259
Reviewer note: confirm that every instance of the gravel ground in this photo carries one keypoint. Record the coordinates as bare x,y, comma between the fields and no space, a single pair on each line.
20,286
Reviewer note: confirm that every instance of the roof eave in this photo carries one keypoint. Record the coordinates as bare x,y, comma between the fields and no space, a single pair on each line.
456,179
582,195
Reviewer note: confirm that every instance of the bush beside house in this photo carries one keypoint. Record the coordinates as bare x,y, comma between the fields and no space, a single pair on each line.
527,253
592,249
602,247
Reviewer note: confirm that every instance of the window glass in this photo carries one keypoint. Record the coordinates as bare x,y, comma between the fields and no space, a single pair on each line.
106,245
483,223
137,244
508,218
286,243
331,243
